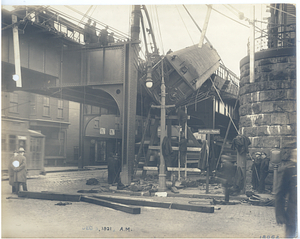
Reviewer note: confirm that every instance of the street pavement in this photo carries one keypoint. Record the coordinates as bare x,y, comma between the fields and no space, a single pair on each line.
23,217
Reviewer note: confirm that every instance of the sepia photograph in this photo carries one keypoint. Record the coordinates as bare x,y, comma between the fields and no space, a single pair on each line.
148,119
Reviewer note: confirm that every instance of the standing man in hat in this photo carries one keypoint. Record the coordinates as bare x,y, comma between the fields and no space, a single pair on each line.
11,172
20,170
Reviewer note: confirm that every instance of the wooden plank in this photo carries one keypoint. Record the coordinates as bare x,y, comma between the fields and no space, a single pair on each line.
113,205
50,196
147,203
148,168
173,169
189,149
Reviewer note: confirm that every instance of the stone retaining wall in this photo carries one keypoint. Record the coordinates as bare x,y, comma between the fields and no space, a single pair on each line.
268,106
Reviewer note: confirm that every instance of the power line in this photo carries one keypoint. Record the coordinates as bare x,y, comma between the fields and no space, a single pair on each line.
230,18
159,30
185,25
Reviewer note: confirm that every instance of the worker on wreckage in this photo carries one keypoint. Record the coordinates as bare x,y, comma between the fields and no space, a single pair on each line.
260,170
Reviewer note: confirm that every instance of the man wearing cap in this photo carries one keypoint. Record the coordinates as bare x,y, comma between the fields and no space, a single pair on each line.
20,170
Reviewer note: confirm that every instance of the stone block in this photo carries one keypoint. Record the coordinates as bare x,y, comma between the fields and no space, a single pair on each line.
249,131
292,118
271,141
275,129
255,96
285,106
256,142
267,107
287,141
267,68
278,119
282,59
263,131
256,108
245,79
244,110
291,94
263,119
268,61
245,99
273,76
245,121
272,95
287,130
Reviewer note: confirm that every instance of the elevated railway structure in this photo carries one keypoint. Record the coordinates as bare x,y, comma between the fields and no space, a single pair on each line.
56,61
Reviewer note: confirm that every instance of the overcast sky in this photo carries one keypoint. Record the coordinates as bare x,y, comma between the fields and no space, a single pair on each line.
174,28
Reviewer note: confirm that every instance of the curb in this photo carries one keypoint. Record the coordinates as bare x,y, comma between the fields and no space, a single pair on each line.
63,170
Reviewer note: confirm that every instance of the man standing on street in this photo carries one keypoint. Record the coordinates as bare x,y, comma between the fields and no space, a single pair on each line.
11,172
20,170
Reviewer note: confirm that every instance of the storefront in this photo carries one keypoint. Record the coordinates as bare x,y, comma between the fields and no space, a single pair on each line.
15,134
102,137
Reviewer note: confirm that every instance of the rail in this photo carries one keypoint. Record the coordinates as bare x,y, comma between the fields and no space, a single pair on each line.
279,36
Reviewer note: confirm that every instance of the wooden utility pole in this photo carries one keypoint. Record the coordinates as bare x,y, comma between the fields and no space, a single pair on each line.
162,166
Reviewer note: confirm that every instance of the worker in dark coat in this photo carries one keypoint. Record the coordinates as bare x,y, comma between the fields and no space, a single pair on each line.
87,32
256,163
182,117
264,171
183,149
103,38
111,38
11,172
287,190
20,170
94,37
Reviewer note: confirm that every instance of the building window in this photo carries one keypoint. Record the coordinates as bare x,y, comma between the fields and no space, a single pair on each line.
217,106
13,103
12,142
87,109
3,142
96,126
46,106
32,104
95,110
60,109
104,111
